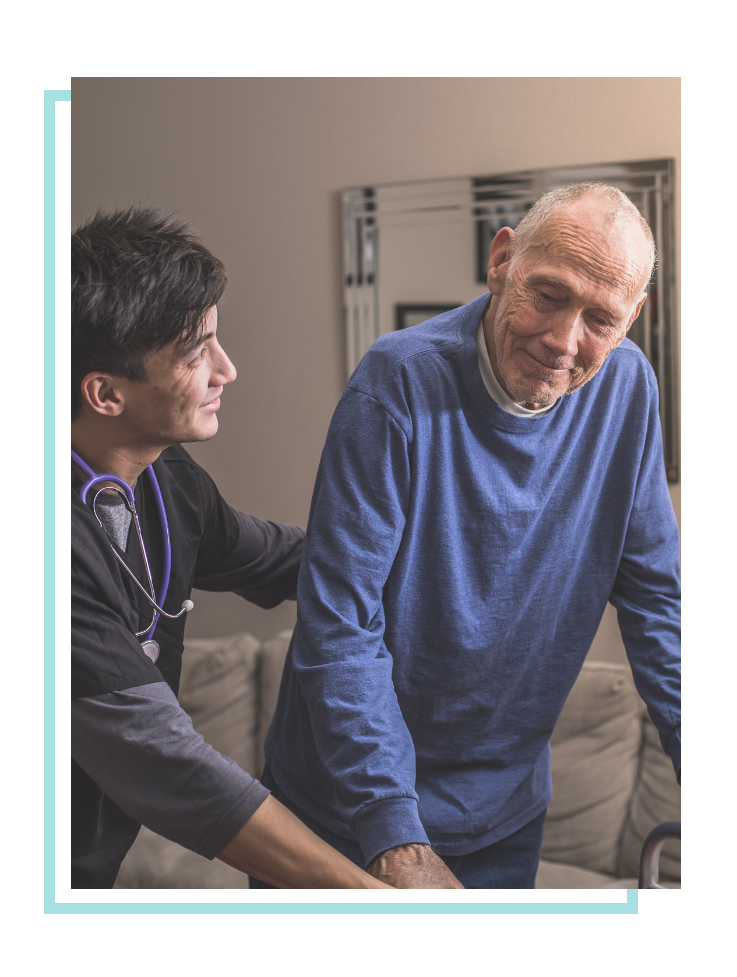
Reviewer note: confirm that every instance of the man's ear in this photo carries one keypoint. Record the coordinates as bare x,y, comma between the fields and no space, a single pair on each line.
102,392
499,254
637,311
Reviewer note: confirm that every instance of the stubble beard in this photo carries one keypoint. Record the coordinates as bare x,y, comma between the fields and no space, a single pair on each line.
531,394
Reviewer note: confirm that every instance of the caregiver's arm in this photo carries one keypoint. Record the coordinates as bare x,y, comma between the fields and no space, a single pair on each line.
139,746
254,558
276,847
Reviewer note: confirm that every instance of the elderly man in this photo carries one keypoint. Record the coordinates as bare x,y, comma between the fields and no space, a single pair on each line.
490,480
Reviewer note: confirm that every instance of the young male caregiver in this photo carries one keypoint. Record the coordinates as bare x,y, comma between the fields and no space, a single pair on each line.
490,479
147,374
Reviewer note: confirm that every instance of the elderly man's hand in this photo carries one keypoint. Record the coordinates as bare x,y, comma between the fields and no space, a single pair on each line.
413,866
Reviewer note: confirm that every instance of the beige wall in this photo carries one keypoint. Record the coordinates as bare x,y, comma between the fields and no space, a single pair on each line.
256,165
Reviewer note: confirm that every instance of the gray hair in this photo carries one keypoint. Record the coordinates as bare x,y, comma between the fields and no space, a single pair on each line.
621,210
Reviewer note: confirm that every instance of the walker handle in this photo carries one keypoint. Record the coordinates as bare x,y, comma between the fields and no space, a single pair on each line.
650,857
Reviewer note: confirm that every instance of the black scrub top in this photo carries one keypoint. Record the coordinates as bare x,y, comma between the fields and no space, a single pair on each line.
214,547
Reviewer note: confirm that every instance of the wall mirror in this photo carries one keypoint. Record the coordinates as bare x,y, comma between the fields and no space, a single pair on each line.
412,250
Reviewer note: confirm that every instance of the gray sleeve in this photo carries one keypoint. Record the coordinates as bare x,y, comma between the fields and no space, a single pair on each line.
141,749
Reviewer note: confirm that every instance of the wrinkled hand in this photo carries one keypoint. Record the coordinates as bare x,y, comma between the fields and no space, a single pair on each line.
413,866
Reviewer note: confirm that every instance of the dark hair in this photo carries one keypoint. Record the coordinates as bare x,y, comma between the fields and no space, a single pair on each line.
140,281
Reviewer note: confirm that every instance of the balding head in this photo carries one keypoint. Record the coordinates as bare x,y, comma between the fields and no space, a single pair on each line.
597,205
566,287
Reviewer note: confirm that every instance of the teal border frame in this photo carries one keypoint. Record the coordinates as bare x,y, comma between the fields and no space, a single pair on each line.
51,97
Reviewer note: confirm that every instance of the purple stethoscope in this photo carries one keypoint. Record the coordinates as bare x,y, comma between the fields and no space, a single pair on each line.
149,646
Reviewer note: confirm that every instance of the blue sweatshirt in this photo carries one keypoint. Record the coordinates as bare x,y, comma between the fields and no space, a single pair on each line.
457,563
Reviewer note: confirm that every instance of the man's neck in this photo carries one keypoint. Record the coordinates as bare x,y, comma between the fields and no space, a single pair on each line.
105,456
488,324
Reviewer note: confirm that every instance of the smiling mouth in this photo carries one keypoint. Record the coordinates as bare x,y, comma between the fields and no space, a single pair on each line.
550,369
213,404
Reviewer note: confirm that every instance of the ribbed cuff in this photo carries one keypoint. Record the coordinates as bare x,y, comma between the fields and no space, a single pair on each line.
673,749
388,823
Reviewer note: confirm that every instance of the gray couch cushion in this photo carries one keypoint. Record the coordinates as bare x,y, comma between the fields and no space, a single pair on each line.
657,798
157,863
553,875
273,654
219,690
595,745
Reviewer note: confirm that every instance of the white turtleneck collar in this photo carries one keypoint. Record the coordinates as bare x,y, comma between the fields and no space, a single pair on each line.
493,386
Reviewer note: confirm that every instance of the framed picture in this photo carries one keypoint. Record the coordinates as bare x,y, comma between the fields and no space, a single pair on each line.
413,313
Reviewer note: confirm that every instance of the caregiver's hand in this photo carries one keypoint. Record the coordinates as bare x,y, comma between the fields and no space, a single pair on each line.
413,866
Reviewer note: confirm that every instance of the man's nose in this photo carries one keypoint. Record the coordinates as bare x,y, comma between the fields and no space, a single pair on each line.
565,334
226,372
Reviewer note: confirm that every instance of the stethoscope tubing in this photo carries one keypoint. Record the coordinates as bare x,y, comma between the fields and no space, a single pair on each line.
93,480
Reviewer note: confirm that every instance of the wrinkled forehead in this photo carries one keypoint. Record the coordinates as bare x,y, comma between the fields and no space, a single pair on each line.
615,255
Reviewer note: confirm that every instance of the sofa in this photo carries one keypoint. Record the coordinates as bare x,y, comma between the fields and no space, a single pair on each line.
612,783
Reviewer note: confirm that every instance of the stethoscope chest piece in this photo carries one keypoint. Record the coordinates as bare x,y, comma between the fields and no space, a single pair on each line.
150,649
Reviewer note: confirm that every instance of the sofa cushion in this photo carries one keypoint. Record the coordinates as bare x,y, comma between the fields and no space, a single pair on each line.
657,798
219,690
595,752
556,875
273,655
157,863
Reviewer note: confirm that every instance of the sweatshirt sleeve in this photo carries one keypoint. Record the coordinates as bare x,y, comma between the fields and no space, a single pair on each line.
647,592
140,748
341,661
